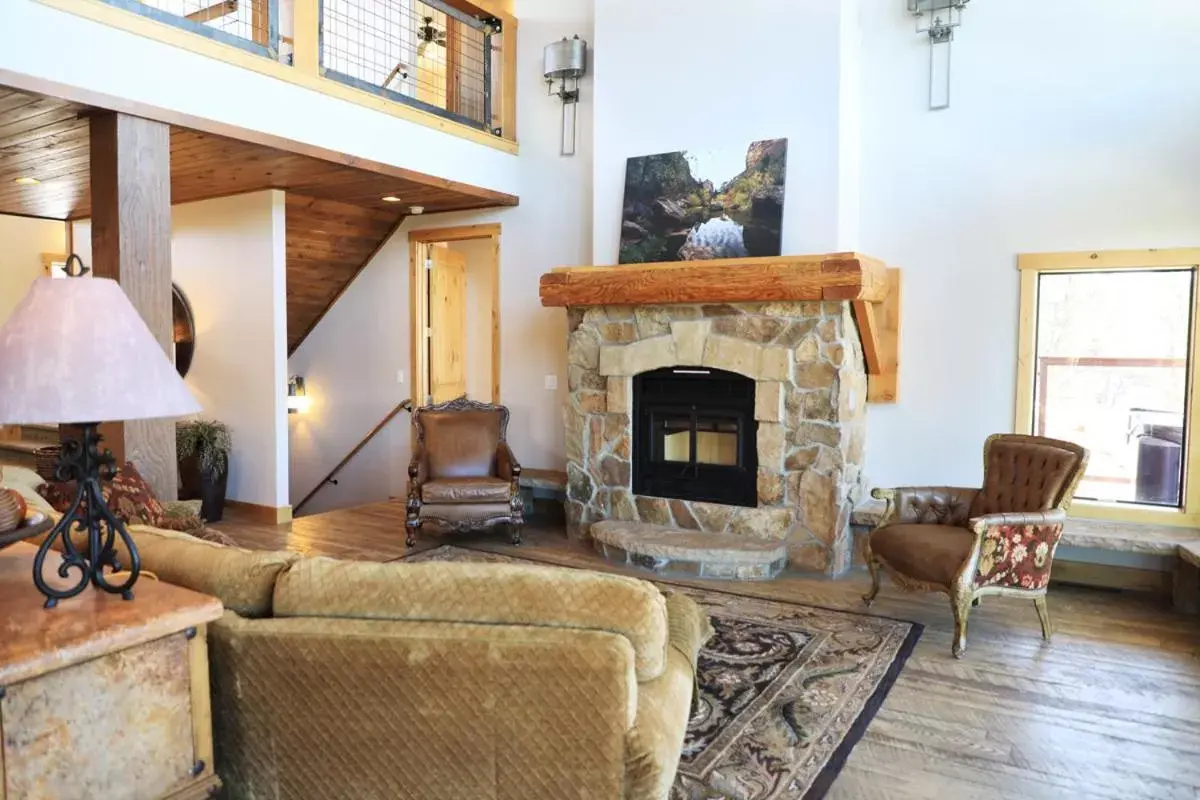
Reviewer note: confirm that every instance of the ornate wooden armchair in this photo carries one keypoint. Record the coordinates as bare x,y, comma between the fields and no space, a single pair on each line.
973,542
463,476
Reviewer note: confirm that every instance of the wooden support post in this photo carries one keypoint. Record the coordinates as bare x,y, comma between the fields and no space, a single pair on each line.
508,77
306,47
131,243
260,21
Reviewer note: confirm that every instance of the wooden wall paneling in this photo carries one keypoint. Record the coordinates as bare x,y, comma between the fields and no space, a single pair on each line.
131,243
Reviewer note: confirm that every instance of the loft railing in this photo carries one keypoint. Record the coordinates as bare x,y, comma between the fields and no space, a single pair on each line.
430,60
249,24
424,53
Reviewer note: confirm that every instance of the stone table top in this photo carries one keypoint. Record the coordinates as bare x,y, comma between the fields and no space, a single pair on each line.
35,640
687,545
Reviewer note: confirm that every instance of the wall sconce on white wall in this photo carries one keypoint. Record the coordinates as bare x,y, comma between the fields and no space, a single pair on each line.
297,397
563,61
938,19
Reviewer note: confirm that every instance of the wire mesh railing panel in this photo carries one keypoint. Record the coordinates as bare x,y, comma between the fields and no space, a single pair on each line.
251,24
425,54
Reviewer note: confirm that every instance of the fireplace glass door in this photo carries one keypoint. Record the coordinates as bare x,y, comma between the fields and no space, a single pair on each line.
695,436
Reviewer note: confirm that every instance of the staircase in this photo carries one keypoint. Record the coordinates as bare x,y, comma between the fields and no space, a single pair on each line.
18,443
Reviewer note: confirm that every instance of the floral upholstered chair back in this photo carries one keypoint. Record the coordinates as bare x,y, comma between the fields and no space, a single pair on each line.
1028,473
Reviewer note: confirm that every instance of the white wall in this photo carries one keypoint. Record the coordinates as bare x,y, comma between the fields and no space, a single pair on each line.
350,364
228,257
1071,128
551,227
478,254
672,76
62,48
22,242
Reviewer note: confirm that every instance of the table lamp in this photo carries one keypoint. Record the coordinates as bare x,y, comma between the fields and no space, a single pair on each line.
76,352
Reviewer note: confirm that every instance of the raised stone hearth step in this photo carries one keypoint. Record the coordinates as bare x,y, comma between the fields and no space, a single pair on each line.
676,552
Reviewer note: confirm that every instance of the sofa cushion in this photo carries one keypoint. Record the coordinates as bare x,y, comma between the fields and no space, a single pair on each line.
500,594
466,490
930,553
461,444
243,580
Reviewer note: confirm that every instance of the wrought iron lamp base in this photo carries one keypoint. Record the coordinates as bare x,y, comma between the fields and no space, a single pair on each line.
82,461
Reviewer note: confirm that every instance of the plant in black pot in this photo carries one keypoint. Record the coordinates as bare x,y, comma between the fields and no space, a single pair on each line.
203,446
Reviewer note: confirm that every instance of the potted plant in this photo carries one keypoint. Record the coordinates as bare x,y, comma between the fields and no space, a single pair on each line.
202,447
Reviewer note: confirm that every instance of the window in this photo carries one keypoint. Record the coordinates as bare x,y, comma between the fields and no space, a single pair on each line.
1106,360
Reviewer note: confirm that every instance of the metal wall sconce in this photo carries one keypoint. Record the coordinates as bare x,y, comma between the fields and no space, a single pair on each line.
297,397
938,19
563,61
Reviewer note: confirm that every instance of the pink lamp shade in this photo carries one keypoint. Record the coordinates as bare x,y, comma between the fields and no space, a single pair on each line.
75,350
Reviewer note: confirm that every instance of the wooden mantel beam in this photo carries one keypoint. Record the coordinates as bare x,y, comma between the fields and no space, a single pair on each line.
872,289
829,276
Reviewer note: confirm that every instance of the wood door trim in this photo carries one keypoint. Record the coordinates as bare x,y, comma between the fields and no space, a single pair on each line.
456,233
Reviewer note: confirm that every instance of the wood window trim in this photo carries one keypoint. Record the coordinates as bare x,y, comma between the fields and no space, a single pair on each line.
50,259
1033,265
418,287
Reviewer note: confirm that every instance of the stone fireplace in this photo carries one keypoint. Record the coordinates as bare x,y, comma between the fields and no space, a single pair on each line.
797,438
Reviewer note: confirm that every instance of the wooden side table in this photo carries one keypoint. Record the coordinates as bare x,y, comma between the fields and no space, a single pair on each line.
103,697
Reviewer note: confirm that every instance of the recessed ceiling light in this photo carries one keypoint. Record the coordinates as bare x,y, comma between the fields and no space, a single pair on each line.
391,198
26,181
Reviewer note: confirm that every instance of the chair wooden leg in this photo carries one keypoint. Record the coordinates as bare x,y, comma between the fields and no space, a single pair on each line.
873,567
1043,617
977,602
410,529
962,609
515,530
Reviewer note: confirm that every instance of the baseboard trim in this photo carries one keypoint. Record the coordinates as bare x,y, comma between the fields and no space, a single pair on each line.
1107,576
264,515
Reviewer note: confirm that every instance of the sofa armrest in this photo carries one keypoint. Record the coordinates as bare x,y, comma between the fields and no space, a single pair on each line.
1016,550
926,505
495,594
303,706
507,467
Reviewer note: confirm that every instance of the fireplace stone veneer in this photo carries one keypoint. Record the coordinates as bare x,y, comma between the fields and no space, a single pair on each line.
810,402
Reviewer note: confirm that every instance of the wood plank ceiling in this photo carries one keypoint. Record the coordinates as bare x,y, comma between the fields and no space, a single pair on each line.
336,217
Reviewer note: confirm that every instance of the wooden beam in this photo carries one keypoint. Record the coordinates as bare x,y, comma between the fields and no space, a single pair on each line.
217,10
883,383
832,276
131,243
306,52
453,64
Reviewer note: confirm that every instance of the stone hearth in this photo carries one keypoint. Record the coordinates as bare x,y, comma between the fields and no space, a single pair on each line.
679,553
810,402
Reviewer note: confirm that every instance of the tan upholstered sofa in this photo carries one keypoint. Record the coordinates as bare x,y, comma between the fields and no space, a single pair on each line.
339,679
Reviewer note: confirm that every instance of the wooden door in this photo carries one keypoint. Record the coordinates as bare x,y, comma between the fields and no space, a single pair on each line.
447,324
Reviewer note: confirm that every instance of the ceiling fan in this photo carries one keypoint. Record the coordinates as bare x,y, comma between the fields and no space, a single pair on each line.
427,34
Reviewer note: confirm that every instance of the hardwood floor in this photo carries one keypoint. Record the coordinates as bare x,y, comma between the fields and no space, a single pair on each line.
1110,709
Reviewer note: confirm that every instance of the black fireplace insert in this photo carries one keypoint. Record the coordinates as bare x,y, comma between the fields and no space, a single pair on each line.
694,436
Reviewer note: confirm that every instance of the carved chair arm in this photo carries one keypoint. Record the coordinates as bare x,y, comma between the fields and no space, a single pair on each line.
926,505
1016,550
417,470
507,467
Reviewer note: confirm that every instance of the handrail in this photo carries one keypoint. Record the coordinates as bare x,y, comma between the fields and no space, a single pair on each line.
405,406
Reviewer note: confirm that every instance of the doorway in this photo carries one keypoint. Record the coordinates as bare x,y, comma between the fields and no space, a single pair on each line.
454,280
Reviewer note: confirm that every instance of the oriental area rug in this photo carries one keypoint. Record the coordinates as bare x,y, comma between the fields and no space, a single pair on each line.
785,691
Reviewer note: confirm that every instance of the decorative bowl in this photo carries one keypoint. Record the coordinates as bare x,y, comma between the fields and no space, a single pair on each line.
35,524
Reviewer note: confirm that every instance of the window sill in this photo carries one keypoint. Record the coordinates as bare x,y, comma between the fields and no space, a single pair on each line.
1136,514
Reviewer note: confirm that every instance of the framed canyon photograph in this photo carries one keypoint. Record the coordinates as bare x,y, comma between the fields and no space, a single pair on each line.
697,205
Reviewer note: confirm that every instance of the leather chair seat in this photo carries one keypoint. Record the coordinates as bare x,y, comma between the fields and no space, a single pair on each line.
930,553
466,490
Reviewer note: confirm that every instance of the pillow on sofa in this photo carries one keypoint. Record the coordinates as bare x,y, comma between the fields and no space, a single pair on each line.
129,498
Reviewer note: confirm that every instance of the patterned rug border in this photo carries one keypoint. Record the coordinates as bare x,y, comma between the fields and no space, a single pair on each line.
854,734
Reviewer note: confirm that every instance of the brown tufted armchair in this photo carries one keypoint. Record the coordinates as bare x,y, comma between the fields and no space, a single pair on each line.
973,542
463,475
